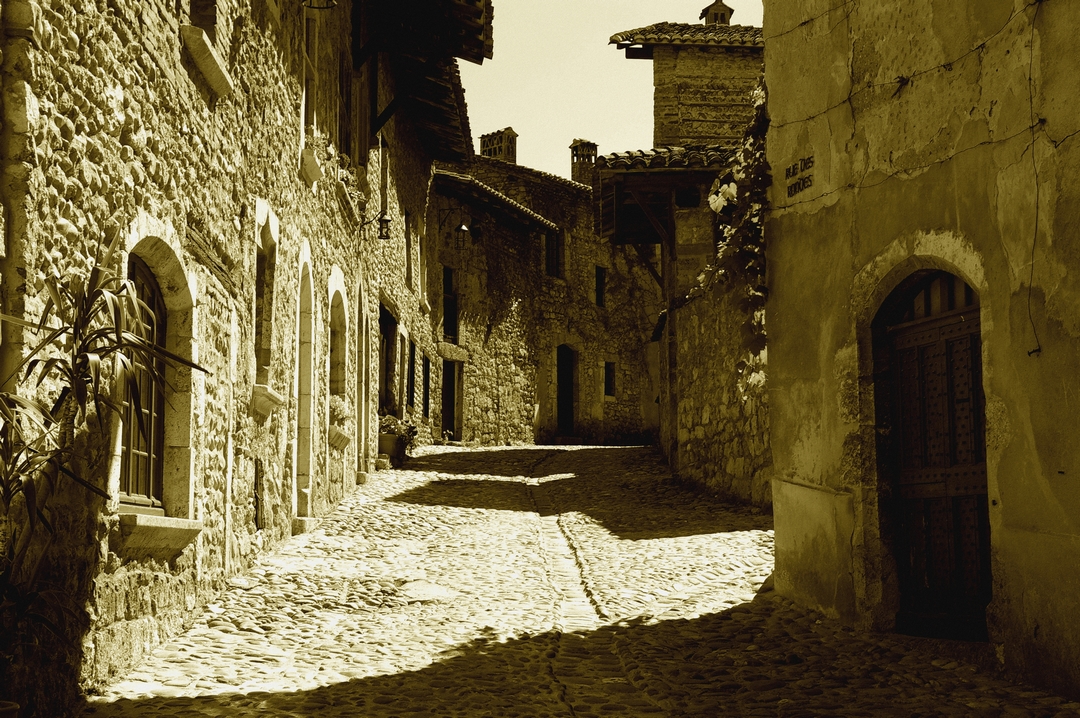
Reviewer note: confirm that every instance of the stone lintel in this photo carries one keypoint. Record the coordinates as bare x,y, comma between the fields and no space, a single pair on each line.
158,537
206,59
453,352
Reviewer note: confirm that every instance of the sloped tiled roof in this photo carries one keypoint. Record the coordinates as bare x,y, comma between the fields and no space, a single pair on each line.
535,172
703,156
474,187
676,33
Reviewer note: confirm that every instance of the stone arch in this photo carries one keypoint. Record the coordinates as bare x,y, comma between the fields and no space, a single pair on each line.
878,590
157,245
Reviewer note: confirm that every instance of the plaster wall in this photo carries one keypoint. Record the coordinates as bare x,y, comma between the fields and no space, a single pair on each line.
926,150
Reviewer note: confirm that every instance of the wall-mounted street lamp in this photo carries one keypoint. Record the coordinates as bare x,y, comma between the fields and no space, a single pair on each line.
461,234
384,226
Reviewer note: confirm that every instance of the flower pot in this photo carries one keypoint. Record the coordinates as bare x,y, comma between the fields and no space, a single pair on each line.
337,438
9,710
393,446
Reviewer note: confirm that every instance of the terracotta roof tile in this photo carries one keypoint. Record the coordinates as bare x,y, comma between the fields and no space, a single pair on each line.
667,158
675,33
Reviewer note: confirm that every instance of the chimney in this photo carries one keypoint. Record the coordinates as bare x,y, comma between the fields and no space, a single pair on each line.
582,161
716,14
500,145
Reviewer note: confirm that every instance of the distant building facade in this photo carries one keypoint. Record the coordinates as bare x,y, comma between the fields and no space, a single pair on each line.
711,398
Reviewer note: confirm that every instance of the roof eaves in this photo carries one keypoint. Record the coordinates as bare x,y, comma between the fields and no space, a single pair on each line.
491,192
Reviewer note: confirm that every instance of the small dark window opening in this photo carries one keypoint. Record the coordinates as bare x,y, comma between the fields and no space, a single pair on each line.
601,286
450,307
144,426
609,378
553,253
410,390
260,514
687,197
427,386
264,311
204,15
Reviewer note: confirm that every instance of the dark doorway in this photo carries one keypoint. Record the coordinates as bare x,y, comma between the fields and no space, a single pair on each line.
388,329
932,455
451,415
566,359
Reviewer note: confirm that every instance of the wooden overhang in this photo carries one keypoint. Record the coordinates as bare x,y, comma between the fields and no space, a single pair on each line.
638,191
421,39
466,188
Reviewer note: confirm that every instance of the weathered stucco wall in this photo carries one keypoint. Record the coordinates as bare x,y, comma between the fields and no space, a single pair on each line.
913,142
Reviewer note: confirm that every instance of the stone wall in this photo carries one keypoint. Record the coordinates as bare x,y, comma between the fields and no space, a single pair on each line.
702,93
111,126
515,315
722,414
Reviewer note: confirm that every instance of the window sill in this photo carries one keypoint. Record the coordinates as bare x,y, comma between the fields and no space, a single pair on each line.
609,398
264,400
158,537
206,59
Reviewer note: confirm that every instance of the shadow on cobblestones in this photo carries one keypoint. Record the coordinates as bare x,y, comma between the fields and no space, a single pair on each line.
762,658
628,490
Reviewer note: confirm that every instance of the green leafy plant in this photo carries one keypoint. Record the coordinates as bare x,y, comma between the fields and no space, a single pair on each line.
340,411
390,424
741,198
91,342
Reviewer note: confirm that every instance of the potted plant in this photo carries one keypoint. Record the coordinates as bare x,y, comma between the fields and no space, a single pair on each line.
340,413
81,362
396,436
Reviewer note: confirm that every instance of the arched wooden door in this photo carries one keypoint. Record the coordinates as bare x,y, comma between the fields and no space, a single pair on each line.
932,452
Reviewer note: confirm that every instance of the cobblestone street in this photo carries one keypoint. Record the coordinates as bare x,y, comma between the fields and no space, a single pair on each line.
543,582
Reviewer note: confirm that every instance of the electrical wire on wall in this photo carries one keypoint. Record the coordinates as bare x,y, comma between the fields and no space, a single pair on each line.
1035,170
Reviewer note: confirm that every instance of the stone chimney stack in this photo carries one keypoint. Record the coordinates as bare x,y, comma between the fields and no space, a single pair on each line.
582,161
716,14
500,145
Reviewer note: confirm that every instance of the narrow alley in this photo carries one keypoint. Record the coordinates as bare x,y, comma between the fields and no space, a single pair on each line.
543,582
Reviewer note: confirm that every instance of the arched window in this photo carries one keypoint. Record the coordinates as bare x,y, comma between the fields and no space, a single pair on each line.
142,457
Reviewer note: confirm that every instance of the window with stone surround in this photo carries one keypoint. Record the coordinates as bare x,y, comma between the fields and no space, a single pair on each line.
310,75
410,385
554,252
450,307
601,286
153,469
265,272
609,378
204,14
427,386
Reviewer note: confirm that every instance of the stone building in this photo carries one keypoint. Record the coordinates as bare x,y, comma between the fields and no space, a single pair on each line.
545,324
712,406
922,320
267,166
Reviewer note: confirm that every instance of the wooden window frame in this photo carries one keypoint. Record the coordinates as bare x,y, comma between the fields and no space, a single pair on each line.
142,454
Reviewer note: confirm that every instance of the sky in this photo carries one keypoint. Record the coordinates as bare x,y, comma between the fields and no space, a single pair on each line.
554,77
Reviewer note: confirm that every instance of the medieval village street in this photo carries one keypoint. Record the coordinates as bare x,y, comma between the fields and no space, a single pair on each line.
542,582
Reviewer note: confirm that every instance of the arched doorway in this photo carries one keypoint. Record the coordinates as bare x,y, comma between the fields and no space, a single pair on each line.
303,400
932,454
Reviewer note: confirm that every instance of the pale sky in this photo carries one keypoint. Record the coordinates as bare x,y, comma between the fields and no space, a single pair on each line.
555,78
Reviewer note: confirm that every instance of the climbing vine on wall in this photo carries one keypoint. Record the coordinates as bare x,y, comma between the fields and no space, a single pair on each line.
740,200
